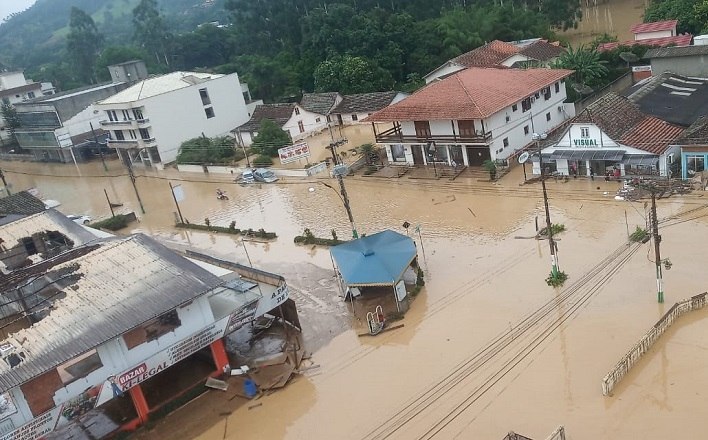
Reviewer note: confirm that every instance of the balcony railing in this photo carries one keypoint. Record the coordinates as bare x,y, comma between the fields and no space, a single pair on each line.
128,122
123,143
395,135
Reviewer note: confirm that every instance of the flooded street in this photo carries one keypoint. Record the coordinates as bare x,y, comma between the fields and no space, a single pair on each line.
613,17
487,346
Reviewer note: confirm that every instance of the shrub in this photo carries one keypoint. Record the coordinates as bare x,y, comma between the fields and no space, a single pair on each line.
232,226
262,161
558,280
207,222
638,235
420,280
112,224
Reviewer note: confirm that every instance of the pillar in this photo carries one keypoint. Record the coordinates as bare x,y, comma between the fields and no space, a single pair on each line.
449,159
218,352
587,168
622,173
425,153
139,402
465,159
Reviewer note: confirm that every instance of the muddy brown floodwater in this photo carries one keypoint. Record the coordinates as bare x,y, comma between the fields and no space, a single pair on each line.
613,17
442,375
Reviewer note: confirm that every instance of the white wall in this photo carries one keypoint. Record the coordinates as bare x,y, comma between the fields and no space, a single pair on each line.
79,124
10,80
514,59
657,34
179,115
441,71
312,122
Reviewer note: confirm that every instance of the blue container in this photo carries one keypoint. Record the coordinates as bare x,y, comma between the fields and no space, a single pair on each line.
250,388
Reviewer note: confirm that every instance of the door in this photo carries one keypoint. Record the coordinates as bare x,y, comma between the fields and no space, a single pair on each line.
477,155
422,129
417,151
466,129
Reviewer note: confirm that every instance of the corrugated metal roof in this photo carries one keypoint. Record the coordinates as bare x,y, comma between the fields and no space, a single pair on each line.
158,85
670,52
124,283
49,220
22,203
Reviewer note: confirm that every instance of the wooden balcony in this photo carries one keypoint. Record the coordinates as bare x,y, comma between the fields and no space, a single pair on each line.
395,136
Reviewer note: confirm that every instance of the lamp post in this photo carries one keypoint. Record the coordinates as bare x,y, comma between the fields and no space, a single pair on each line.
549,230
431,154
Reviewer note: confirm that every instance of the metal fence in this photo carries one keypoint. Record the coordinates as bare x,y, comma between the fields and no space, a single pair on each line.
647,341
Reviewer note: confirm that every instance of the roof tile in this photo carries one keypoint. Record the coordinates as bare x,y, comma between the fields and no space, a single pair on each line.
364,102
278,113
676,40
654,26
489,55
320,103
542,50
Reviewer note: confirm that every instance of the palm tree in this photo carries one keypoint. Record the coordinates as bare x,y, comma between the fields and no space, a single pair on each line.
585,62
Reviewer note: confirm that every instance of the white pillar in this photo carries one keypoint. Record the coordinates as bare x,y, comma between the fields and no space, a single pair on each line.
447,150
587,168
622,169
425,153
465,159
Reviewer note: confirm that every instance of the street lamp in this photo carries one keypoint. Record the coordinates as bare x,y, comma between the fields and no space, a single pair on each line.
549,230
431,154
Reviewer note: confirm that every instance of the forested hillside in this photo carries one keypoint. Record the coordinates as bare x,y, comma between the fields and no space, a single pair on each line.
281,47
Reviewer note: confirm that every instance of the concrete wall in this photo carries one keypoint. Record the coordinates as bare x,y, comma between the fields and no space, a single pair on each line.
10,80
696,65
128,72
180,115
655,34
71,104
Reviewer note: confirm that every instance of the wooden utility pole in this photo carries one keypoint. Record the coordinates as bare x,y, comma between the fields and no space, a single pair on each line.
100,151
132,180
110,206
343,190
4,182
549,228
657,248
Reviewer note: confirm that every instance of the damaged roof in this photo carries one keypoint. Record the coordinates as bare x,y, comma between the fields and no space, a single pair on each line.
674,98
320,103
122,283
47,220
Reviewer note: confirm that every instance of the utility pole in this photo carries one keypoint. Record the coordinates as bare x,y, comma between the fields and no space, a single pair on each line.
657,250
342,189
113,214
549,229
4,182
132,180
174,197
100,151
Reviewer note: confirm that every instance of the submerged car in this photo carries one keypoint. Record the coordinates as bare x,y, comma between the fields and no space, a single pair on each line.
79,219
264,175
246,177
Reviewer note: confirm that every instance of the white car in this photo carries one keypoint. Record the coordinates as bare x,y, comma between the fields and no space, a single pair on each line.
264,175
80,219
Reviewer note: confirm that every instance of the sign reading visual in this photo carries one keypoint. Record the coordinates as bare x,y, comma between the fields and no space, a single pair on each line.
585,142
294,152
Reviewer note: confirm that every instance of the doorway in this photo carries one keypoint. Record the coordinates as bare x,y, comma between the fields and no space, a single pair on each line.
477,155
417,151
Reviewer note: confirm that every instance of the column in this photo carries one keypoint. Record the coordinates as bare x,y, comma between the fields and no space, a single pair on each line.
141,405
587,168
218,352
425,153
622,169
447,150
465,159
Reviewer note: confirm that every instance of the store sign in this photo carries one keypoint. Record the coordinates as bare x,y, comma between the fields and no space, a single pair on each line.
160,361
293,152
585,142
241,317
268,303
400,291
37,428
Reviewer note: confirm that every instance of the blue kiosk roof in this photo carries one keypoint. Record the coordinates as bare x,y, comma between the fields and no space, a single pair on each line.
375,260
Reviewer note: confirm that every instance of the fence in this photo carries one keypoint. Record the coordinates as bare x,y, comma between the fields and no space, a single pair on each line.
645,343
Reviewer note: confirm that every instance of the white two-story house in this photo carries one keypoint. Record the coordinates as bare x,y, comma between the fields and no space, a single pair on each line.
149,121
473,115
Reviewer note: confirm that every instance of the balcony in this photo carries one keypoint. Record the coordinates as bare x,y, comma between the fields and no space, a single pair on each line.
131,143
395,136
127,124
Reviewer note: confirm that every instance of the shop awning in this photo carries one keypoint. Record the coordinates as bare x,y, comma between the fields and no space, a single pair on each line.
606,155
641,160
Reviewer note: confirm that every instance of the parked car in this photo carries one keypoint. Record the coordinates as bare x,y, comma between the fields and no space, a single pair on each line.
264,175
246,177
79,219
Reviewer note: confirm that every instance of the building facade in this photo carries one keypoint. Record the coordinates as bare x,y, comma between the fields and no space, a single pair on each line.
474,115
690,61
148,121
290,117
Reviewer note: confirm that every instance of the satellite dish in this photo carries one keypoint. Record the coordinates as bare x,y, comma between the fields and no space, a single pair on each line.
523,157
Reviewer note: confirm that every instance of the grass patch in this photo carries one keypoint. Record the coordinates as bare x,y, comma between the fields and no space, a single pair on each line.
308,237
638,235
261,233
115,223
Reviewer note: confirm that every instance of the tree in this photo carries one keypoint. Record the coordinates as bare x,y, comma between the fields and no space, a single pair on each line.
83,44
150,31
204,150
12,122
350,74
687,12
586,63
270,138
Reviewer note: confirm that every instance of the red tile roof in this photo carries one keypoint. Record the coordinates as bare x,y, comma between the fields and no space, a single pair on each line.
677,40
655,26
489,55
652,135
473,93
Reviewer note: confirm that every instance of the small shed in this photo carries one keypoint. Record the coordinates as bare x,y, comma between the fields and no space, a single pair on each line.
375,264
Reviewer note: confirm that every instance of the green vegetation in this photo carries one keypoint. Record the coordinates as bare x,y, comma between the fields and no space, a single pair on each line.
558,280
589,68
12,122
308,237
692,15
639,235
232,229
262,161
83,45
112,224
491,167
204,150
556,228
270,138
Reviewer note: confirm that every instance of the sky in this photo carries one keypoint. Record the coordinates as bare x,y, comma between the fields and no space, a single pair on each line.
7,7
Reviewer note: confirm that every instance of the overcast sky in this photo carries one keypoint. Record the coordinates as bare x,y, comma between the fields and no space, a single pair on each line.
7,7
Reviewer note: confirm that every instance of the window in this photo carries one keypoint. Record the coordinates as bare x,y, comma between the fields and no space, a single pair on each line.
112,115
301,126
119,135
131,133
546,93
138,114
205,96
152,329
79,367
536,95
126,115
548,117
514,107
355,117
466,129
318,119
297,110
209,111
329,119
585,132
526,104
695,164
144,133
526,129
30,95
558,87
506,142
422,129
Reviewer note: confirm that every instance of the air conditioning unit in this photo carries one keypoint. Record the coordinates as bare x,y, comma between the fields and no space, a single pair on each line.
533,99
508,118
560,108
